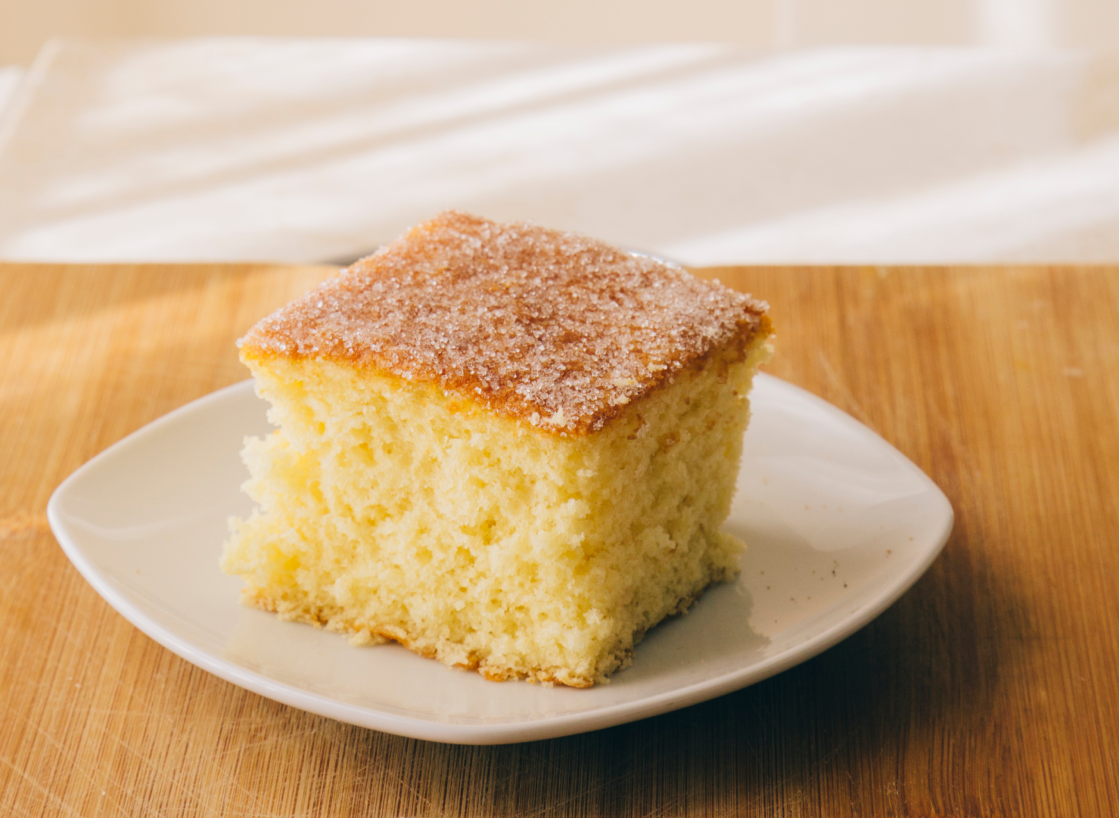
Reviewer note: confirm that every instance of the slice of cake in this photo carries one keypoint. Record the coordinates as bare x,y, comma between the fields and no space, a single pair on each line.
505,447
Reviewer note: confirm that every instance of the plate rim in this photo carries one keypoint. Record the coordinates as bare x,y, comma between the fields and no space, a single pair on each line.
483,733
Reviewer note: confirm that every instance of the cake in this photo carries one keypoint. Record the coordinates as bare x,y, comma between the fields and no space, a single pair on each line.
505,447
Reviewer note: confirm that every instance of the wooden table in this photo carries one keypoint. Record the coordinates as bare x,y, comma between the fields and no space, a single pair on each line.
990,688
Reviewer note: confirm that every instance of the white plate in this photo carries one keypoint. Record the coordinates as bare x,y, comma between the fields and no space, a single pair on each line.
839,524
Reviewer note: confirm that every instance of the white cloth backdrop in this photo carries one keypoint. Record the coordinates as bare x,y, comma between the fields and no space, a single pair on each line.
308,150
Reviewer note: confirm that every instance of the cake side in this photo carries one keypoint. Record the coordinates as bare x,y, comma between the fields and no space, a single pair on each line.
541,325
396,509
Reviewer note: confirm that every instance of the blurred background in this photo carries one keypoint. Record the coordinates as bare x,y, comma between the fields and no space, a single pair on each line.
881,131
758,23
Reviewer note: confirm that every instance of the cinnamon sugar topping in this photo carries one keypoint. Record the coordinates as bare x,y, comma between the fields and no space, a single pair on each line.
555,328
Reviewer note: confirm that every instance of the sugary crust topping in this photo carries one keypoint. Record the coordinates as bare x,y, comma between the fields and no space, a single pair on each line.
551,327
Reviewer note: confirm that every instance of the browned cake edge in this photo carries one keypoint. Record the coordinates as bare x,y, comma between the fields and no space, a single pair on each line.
531,330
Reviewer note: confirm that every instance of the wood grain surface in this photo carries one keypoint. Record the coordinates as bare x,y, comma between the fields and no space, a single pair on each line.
990,688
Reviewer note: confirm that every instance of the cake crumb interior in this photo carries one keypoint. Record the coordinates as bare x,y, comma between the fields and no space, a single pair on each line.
506,448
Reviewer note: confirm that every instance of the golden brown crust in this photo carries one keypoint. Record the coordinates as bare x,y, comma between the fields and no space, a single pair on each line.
549,327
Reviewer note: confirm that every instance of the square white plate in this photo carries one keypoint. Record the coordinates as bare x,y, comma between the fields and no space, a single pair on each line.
838,522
